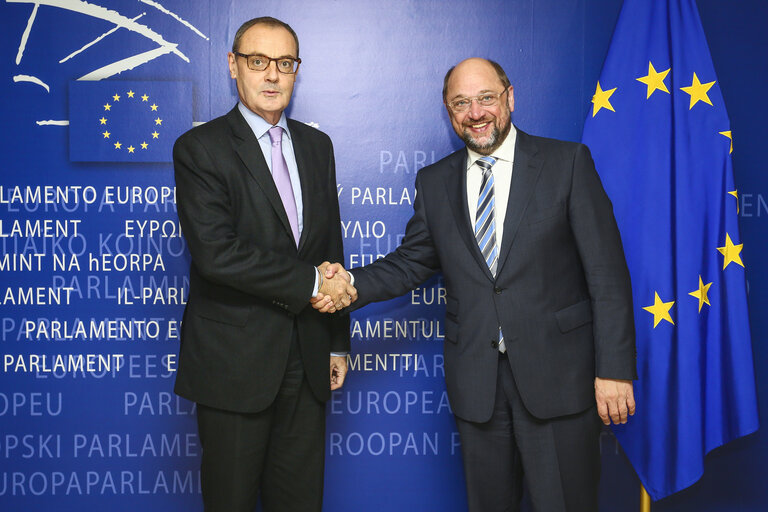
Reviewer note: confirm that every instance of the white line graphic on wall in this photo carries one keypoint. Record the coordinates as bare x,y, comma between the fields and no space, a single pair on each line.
102,36
119,21
25,35
127,63
32,79
176,16
65,122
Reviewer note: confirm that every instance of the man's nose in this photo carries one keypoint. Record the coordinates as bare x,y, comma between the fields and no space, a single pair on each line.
272,74
475,110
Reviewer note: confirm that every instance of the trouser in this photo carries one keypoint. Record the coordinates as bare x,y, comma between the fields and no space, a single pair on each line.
558,459
276,454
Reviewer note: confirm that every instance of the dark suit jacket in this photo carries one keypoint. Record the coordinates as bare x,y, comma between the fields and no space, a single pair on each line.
562,291
249,284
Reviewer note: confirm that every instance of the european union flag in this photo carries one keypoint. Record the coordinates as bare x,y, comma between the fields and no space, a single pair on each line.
116,121
661,140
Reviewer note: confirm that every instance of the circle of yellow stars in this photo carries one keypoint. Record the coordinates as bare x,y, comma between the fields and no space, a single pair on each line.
698,93
108,108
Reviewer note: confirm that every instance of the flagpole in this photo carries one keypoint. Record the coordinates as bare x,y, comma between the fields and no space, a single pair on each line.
645,500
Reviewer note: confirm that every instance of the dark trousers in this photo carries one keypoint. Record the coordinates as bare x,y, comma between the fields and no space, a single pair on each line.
558,459
277,453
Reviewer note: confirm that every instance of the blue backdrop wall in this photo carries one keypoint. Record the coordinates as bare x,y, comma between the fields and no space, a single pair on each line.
78,439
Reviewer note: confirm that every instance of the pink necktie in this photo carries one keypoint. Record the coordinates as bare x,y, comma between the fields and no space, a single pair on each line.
283,180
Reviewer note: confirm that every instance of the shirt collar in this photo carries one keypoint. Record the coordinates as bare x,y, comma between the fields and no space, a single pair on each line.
258,125
504,152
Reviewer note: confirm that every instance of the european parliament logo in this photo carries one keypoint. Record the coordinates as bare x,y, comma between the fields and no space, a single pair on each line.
120,121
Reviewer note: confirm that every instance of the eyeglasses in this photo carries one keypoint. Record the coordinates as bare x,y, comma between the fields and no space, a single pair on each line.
487,99
286,65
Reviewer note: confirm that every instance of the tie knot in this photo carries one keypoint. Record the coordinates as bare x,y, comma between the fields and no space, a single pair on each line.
485,163
276,135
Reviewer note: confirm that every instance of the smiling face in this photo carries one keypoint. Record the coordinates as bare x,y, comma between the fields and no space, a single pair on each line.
482,129
266,93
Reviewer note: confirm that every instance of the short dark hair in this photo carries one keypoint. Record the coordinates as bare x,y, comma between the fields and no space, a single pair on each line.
496,66
264,20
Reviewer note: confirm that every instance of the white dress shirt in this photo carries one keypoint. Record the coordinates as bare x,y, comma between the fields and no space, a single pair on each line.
502,178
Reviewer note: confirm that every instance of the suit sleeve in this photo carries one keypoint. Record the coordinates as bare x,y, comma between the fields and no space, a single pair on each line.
413,262
335,251
218,253
599,244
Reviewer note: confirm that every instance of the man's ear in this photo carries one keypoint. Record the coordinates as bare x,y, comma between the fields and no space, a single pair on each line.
231,61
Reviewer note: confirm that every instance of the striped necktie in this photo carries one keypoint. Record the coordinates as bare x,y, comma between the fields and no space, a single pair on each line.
485,223
485,219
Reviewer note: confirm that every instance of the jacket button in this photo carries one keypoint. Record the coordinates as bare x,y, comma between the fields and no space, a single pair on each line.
495,344
497,291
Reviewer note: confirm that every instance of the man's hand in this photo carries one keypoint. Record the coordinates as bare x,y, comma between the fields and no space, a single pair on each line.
338,371
615,399
335,293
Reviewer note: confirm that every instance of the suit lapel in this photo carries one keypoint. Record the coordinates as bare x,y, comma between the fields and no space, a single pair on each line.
247,147
525,173
456,185
306,178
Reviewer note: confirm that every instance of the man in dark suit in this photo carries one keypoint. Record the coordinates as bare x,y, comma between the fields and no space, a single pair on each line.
539,334
258,206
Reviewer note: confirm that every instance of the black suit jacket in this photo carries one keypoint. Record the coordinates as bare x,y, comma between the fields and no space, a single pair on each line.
561,295
249,284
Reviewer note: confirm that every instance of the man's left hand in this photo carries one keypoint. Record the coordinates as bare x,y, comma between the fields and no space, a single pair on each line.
615,399
338,371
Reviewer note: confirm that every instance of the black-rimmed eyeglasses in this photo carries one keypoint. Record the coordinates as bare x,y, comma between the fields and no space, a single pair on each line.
286,65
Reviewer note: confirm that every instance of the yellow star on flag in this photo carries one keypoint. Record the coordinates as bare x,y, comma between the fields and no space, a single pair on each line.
154,107
698,91
701,293
107,106
106,135
130,149
735,193
116,97
654,80
144,145
728,134
601,99
103,120
660,310
154,135
118,145
130,94
144,97
730,252
158,121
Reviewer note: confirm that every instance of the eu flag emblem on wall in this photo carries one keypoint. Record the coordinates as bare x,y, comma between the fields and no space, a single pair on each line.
661,140
116,121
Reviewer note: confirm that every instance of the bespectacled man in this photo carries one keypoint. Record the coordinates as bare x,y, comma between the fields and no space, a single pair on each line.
257,202
539,332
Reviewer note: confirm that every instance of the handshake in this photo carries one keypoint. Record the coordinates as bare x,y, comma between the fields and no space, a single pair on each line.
335,291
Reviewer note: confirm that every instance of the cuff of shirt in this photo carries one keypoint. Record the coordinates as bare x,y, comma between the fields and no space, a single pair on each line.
339,354
316,289
317,283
